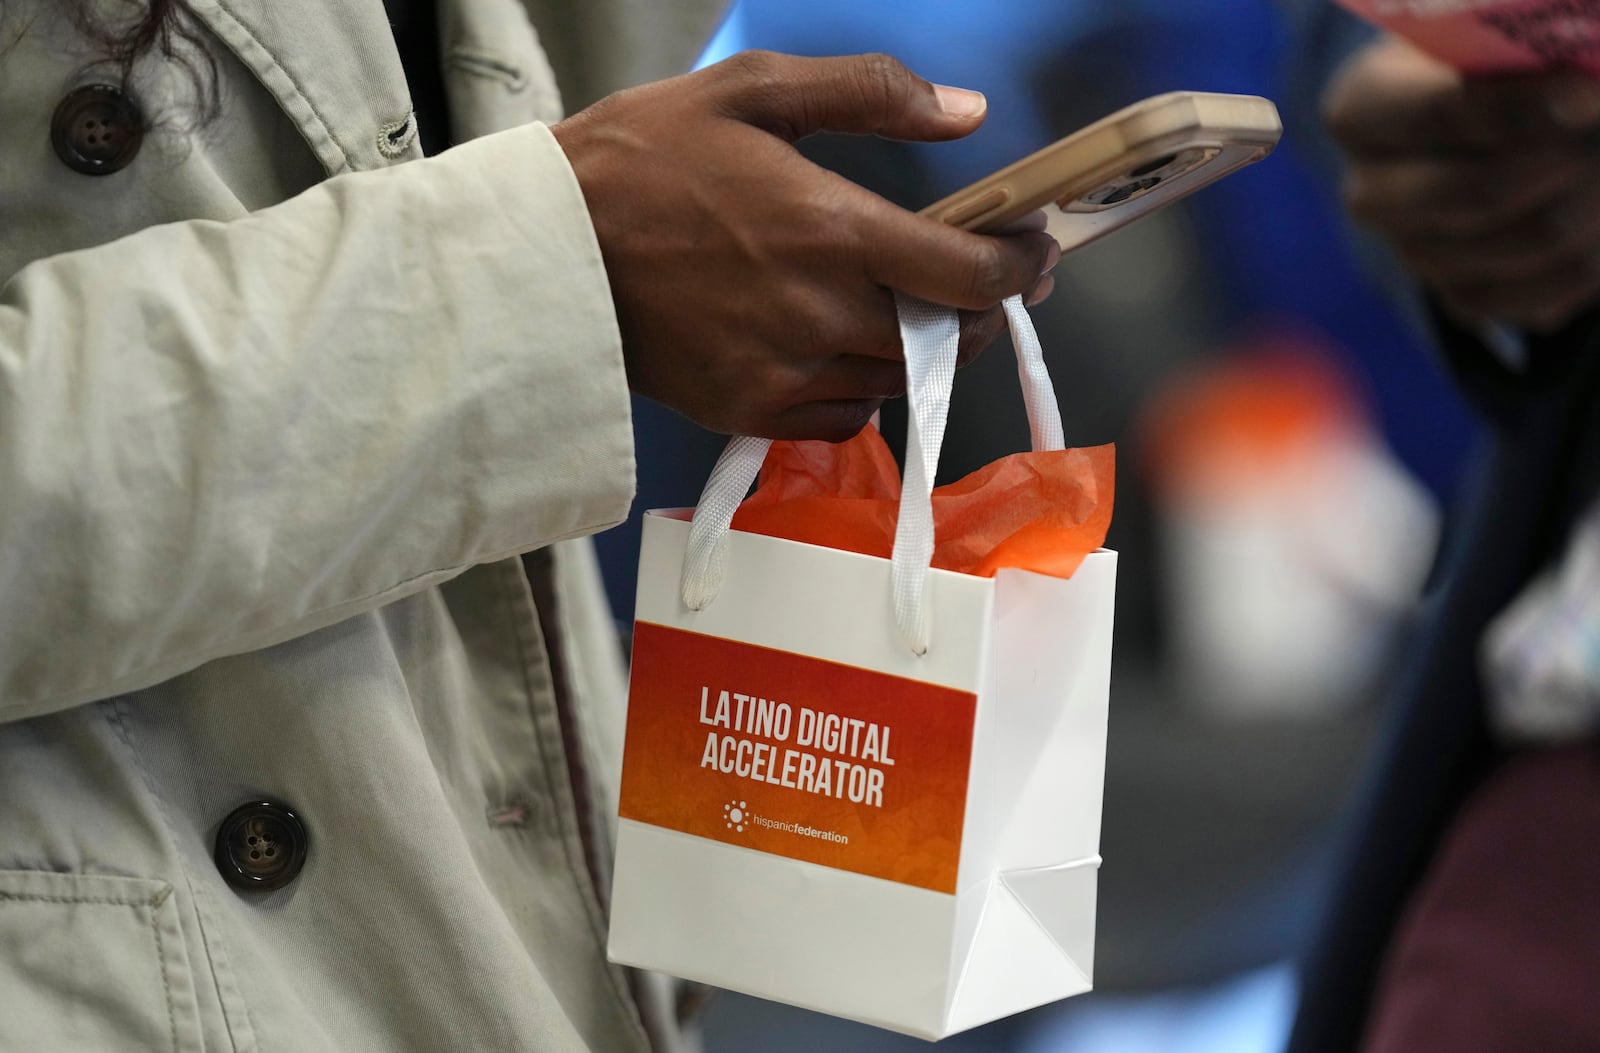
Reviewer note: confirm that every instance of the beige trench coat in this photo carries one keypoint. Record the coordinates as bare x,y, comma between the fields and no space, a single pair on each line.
268,442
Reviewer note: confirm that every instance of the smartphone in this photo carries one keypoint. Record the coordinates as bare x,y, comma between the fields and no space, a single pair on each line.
1121,167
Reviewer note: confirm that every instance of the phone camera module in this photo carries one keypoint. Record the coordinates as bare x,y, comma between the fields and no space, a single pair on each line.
1173,169
1127,190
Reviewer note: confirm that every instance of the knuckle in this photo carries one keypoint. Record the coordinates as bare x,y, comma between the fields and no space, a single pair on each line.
884,70
814,335
986,275
814,324
756,67
758,84
884,82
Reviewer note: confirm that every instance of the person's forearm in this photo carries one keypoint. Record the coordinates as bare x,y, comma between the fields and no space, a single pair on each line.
215,437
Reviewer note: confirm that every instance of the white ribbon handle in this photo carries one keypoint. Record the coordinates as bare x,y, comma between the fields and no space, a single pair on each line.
705,562
930,335
1038,394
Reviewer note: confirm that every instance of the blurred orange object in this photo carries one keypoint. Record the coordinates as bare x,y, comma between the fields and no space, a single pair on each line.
1242,422
1034,511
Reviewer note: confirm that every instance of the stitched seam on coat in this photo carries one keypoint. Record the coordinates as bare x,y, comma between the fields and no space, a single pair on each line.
98,901
118,713
166,978
578,870
212,954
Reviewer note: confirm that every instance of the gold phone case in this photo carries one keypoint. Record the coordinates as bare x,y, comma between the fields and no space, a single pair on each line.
1122,166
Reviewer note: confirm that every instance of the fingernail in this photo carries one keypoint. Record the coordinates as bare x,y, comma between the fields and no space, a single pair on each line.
959,102
1052,257
1040,292
1575,104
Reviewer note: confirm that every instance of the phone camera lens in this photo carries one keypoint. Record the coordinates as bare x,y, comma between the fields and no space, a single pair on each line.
1154,166
1127,190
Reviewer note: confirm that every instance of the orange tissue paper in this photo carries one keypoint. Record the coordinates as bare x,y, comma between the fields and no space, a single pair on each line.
1033,511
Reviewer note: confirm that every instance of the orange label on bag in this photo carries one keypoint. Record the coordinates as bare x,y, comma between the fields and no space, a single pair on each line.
797,756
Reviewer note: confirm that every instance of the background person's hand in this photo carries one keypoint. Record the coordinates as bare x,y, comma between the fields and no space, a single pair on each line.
1487,187
753,287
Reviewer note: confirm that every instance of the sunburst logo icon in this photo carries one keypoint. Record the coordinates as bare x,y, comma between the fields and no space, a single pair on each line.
735,815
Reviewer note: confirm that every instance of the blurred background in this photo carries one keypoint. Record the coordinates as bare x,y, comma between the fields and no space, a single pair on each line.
1284,442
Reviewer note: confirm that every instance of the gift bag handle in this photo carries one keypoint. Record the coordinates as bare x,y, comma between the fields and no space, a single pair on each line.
930,335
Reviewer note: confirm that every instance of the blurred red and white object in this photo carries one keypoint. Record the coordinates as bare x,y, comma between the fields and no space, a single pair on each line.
1292,542
1494,36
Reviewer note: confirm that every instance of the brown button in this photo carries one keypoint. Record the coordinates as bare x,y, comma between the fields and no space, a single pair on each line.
97,129
261,846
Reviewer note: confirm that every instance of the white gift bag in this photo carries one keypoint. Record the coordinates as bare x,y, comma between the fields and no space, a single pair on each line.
859,785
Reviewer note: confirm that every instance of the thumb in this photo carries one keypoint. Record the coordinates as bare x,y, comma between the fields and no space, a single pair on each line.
867,94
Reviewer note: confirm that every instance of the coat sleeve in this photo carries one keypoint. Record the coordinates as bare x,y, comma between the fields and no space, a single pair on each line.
218,436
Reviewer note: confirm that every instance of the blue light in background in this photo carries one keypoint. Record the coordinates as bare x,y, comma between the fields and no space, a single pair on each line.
1248,1014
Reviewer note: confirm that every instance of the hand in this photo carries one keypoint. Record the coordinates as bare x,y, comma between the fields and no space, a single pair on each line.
753,287
1487,187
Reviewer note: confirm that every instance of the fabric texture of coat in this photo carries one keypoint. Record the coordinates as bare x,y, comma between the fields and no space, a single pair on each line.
277,414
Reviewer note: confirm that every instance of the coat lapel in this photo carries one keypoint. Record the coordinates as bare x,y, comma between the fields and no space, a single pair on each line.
332,66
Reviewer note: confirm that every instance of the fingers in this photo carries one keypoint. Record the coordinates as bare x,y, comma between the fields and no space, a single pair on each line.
833,421
1561,231
1541,302
1487,187
1392,99
875,366
1041,292
752,289
856,378
1536,270
979,329
1462,196
927,259
850,388
1035,220
793,97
